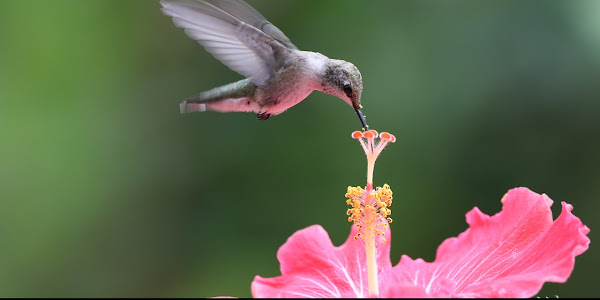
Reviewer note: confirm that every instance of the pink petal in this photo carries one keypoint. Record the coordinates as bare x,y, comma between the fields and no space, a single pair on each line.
444,289
510,254
312,267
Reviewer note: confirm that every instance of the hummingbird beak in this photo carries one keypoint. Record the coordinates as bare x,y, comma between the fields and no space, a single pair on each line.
361,117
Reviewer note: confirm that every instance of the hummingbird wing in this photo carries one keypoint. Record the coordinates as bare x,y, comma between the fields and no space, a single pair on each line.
240,46
251,16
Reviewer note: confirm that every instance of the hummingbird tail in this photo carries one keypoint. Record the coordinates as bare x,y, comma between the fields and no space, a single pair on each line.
236,96
221,105
188,107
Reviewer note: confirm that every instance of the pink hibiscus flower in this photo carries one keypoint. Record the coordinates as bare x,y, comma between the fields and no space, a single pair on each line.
510,254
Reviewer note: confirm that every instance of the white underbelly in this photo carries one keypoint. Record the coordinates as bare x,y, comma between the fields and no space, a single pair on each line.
294,97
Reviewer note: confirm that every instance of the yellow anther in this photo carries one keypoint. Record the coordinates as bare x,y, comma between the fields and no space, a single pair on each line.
358,235
369,211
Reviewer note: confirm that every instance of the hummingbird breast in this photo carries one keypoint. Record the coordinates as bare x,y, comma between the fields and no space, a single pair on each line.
297,77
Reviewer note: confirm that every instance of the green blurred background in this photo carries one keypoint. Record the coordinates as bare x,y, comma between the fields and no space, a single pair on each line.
106,190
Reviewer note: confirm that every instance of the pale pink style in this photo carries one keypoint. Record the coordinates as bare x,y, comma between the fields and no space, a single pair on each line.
510,254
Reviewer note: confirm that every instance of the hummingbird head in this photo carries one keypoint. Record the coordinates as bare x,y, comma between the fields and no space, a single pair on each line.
343,80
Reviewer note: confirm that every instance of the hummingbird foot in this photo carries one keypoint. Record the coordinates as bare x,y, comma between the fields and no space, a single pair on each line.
263,116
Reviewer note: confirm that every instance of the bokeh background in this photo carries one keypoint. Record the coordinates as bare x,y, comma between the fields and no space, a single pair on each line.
106,190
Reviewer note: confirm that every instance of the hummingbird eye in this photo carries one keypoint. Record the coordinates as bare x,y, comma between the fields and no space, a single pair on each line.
348,90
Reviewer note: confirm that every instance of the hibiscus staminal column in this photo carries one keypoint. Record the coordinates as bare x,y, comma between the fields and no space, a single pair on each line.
370,210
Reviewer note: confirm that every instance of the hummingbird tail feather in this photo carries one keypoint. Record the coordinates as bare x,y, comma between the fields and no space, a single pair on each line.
187,107
236,96
221,105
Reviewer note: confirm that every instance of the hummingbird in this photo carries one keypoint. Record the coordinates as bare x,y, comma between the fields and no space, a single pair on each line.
278,74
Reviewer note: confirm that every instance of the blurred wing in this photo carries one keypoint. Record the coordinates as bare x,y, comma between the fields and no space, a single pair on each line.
241,47
247,14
